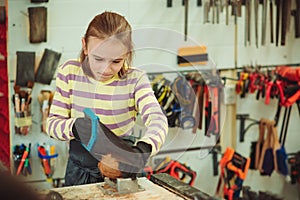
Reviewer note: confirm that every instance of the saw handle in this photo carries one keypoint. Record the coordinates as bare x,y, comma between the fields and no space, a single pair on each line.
88,113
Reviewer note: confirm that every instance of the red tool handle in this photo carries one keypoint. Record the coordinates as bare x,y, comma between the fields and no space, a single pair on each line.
24,156
45,162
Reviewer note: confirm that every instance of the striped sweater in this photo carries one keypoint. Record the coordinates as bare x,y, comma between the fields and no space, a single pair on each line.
116,102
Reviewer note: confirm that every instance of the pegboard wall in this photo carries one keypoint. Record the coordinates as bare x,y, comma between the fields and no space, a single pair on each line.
36,137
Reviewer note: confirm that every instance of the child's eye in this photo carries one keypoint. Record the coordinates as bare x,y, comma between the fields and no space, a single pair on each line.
98,59
116,61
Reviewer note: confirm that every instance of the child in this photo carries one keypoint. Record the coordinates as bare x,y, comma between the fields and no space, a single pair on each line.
103,81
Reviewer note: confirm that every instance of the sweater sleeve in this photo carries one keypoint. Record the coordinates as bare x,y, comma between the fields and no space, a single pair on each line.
154,119
59,122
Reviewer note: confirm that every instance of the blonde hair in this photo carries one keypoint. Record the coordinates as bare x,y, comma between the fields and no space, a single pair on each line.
110,24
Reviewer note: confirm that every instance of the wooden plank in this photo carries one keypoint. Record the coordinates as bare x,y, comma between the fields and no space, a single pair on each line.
92,191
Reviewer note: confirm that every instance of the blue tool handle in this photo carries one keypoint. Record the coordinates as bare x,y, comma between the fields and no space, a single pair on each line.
89,113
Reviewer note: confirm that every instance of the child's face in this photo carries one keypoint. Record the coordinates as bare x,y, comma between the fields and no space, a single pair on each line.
106,57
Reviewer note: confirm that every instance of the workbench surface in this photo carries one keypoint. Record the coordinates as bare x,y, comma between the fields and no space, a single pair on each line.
92,191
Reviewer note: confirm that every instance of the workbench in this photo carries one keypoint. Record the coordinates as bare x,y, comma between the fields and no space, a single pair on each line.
92,191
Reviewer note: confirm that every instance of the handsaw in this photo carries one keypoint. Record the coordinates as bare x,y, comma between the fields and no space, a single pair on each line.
102,141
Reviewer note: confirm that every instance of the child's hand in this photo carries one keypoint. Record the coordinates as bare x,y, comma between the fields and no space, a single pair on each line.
82,129
109,167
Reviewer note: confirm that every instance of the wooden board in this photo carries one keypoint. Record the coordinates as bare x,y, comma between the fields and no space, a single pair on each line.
92,191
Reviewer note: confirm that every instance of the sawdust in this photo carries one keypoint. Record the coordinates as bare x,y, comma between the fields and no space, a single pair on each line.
93,192
109,188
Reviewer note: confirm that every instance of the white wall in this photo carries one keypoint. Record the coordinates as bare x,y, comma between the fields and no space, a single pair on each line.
68,19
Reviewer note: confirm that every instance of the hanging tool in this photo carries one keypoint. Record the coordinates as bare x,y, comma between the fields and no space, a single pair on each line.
196,111
278,17
249,3
284,19
201,103
186,13
256,7
214,125
23,159
234,169
196,81
45,163
198,87
236,11
186,96
266,164
27,168
206,9
208,110
199,3
264,23
212,5
285,124
289,13
247,20
271,22
296,14
227,11
217,5
274,88
280,154
243,118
